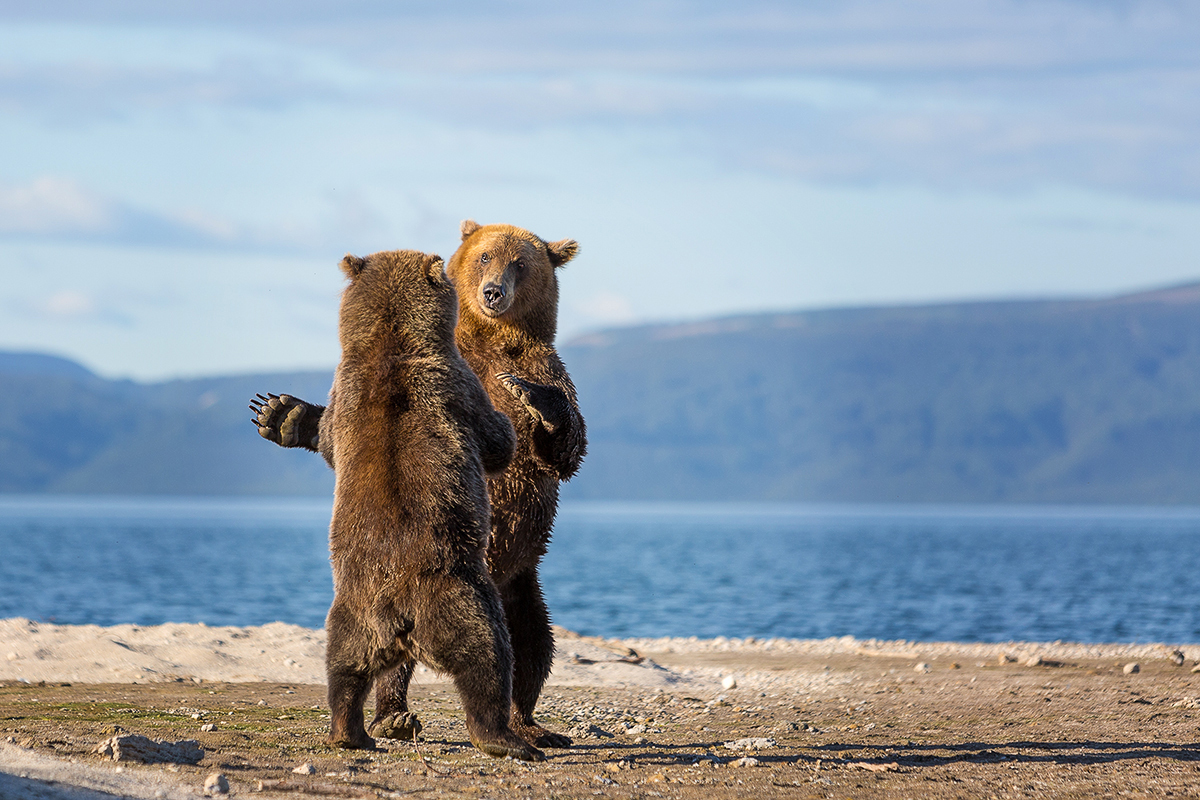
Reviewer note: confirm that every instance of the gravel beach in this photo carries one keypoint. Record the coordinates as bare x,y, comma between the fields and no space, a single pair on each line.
715,718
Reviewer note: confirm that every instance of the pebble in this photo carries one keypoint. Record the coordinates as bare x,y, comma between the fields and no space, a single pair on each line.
305,769
729,682
1177,658
922,667
1196,669
1132,667
208,727
1007,658
216,784
1034,661
745,761
12,656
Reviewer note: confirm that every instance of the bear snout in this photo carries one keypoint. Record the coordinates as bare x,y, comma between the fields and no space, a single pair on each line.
494,298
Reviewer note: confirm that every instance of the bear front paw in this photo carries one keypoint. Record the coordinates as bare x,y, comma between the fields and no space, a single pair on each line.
279,419
537,399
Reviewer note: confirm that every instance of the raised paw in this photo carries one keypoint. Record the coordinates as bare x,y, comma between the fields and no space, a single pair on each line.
539,401
400,725
280,418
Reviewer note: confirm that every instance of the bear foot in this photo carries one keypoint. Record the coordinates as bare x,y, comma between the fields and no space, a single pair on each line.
538,736
362,742
400,725
508,745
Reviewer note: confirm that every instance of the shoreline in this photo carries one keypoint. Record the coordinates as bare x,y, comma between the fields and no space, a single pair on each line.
280,652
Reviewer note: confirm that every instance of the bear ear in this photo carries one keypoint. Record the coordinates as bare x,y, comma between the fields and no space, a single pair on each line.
435,269
562,251
353,266
467,227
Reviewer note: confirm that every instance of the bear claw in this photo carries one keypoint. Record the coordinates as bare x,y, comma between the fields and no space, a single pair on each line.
515,748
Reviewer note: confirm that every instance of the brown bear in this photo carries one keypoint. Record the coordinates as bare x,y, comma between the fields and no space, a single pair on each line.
508,316
411,432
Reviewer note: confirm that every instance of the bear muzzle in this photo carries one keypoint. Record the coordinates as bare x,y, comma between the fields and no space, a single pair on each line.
494,299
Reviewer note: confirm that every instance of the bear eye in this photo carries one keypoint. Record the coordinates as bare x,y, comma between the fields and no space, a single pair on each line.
484,258
519,264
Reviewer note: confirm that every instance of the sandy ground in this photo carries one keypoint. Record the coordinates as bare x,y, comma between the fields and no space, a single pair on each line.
650,718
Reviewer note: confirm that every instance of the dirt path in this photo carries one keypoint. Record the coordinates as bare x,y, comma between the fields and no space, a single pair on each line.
848,720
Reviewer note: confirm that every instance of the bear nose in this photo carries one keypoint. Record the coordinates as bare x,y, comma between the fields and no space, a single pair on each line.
493,293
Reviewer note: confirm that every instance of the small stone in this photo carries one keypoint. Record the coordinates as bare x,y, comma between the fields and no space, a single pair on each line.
1034,661
1007,658
208,727
754,743
1132,667
1196,669
305,769
216,784
641,740
597,732
922,667
745,761
12,656
140,749
1177,658
729,682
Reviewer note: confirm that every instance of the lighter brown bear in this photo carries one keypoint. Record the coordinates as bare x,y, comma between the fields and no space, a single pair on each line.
508,316
411,432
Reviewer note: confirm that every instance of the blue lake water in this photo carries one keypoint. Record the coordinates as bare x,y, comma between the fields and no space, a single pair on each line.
905,572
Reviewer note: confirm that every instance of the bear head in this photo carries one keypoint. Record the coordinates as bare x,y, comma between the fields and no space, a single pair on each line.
506,276
398,301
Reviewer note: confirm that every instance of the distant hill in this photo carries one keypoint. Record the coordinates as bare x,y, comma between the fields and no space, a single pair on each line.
1042,401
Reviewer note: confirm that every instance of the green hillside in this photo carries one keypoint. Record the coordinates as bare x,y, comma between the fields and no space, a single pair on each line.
1052,401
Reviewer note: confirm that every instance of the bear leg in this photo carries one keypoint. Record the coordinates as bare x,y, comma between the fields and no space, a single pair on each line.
460,630
347,668
393,720
533,655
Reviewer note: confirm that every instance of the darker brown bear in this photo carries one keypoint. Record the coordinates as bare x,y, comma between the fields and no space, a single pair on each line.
508,316
411,432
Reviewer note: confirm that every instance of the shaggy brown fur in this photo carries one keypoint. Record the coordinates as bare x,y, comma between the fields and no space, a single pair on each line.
410,432
508,307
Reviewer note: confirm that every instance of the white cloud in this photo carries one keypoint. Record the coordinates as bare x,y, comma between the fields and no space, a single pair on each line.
50,205
70,305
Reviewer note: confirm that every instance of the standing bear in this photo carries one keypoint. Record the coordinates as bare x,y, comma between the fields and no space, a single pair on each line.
411,433
508,317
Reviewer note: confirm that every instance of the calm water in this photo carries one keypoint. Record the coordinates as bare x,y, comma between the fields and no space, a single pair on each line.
945,573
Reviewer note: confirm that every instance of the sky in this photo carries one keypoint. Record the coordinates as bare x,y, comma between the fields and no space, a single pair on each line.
178,181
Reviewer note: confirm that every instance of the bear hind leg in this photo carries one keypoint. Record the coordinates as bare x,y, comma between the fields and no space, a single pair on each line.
463,633
392,719
533,655
347,666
